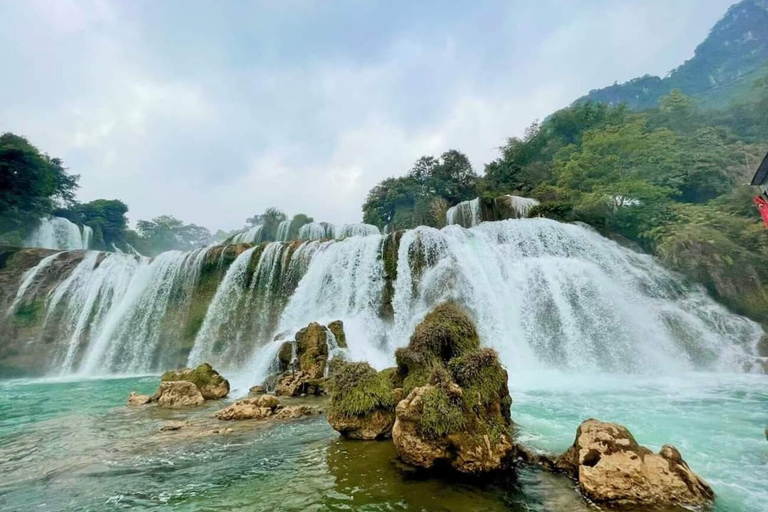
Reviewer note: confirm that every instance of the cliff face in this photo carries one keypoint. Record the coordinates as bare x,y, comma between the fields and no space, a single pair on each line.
23,321
724,65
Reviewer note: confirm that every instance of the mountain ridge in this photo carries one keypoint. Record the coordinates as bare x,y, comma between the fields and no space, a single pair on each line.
723,67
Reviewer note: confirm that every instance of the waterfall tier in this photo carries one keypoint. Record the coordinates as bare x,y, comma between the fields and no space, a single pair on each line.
543,294
61,234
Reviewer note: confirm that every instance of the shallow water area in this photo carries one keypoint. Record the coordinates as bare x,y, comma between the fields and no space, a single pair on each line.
73,445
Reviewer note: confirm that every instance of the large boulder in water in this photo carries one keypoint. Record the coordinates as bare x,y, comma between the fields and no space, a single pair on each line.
612,468
457,411
362,404
178,393
211,385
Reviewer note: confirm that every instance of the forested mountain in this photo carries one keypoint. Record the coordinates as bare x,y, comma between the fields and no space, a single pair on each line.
722,69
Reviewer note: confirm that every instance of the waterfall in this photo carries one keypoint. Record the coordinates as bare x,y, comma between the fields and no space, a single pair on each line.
348,230
465,214
284,231
29,277
543,294
59,233
316,231
250,236
520,207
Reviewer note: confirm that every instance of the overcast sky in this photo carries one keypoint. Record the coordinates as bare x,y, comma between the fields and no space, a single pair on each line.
214,110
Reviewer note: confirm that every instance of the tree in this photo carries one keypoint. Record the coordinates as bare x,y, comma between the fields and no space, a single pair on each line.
165,233
32,184
414,199
106,217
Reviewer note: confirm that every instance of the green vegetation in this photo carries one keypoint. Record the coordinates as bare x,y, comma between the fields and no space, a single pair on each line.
443,413
358,390
28,313
671,179
32,185
106,217
422,196
167,233
481,376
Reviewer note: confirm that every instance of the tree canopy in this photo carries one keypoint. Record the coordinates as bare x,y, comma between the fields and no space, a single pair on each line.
32,184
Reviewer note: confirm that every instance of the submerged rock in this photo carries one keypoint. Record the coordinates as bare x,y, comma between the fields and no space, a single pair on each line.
211,385
362,404
249,408
612,468
172,425
178,393
457,411
135,399
263,407
296,411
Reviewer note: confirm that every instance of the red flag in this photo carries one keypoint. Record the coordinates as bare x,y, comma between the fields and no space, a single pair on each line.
762,207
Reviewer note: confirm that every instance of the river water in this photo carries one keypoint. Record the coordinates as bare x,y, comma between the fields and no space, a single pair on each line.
74,445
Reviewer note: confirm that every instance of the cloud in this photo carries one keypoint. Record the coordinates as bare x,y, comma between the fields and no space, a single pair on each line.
215,111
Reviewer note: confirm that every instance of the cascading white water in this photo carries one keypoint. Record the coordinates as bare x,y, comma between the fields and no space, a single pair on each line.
248,237
314,231
519,206
465,214
543,294
29,277
87,237
60,234
348,230
284,231
345,280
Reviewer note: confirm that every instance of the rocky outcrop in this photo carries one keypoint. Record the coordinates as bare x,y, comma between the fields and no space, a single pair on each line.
362,404
337,328
457,411
250,408
178,393
305,363
612,468
135,399
263,407
211,385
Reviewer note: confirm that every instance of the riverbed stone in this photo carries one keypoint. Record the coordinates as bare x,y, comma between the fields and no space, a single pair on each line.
179,393
210,383
250,408
135,399
612,468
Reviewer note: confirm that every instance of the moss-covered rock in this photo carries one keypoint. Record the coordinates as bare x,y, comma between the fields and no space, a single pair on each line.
211,385
337,328
362,402
312,350
457,408
446,332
